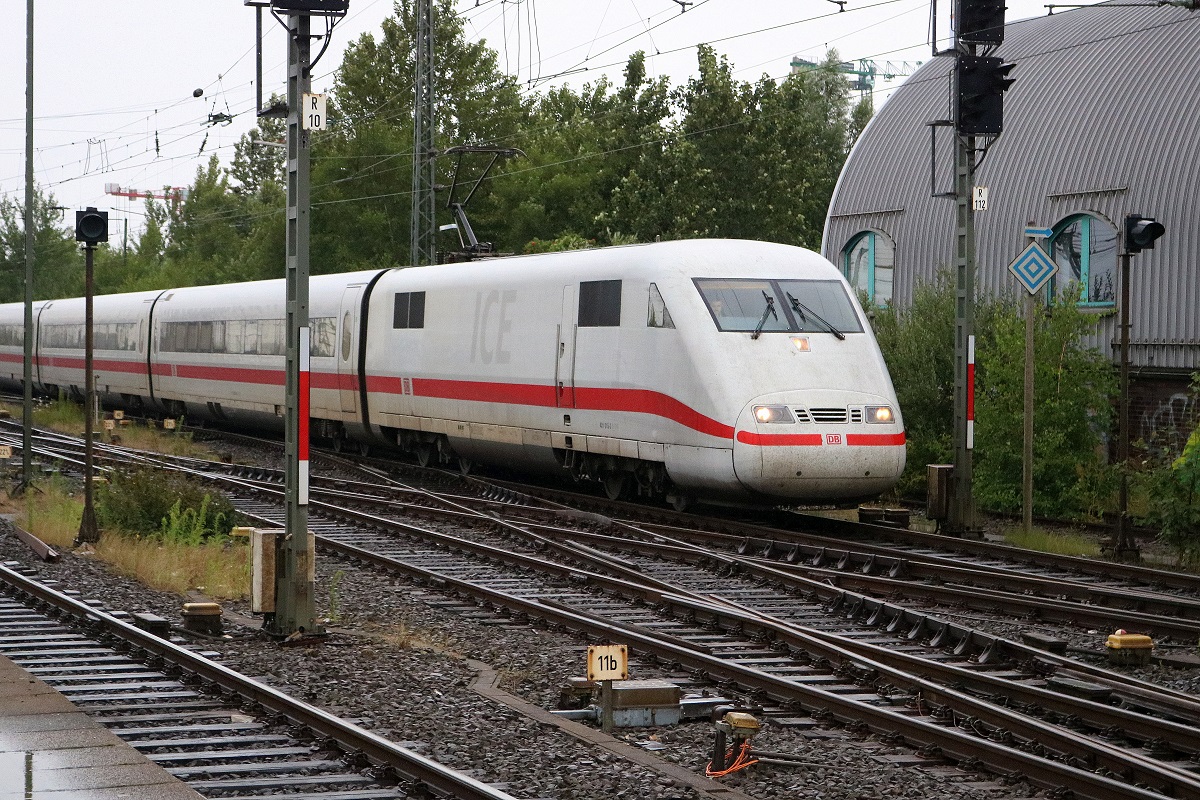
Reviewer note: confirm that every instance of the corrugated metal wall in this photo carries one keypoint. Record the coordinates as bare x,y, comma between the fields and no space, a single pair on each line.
1103,118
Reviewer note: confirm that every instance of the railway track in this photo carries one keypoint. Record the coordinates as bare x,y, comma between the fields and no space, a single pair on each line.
784,640
223,734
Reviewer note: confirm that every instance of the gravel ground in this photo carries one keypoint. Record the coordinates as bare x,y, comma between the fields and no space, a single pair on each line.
403,666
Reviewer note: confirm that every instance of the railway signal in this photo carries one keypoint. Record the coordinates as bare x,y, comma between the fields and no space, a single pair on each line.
295,613
981,21
980,83
91,228
1141,233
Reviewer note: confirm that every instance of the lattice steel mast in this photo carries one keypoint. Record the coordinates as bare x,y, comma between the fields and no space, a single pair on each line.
424,222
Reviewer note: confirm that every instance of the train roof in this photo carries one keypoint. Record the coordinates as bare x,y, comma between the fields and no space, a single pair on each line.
684,258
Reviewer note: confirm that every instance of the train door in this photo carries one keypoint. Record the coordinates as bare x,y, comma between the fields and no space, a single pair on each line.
347,379
564,365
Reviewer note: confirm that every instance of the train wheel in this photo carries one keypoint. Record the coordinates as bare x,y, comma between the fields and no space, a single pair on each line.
364,449
614,484
465,465
680,502
424,453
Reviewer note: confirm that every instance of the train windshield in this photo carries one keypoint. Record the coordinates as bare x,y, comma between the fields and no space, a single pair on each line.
787,306
820,306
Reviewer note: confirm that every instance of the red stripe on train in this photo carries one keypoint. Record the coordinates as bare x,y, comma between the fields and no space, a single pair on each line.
779,439
876,439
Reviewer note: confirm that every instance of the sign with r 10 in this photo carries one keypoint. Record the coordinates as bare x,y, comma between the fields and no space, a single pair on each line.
312,118
609,662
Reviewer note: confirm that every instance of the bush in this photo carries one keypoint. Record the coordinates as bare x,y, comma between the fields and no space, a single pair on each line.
1175,493
170,506
1073,390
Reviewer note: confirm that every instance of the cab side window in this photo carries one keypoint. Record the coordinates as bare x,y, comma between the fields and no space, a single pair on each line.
657,316
599,304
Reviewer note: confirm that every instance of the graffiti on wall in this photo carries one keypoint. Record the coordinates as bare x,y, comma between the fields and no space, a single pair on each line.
1171,421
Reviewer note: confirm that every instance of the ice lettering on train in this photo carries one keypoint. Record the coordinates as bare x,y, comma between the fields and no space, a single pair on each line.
493,321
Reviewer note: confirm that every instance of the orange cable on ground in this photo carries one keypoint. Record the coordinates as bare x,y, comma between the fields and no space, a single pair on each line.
742,761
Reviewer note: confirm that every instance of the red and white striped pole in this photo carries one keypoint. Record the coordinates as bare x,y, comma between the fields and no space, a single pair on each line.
971,392
302,433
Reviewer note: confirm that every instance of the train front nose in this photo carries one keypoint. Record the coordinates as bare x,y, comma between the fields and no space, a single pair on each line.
840,445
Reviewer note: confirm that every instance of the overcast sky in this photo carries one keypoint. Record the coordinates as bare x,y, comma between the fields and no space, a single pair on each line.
114,82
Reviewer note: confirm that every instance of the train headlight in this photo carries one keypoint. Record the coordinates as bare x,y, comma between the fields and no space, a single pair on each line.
767,414
880,414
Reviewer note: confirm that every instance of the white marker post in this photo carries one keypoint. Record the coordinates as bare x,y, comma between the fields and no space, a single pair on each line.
607,663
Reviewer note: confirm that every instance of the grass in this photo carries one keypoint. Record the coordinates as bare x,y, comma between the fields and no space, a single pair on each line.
1066,544
66,416
218,567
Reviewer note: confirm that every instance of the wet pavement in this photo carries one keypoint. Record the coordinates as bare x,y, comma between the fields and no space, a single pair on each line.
50,751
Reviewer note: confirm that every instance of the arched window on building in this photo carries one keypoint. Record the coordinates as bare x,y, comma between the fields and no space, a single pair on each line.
868,262
1085,249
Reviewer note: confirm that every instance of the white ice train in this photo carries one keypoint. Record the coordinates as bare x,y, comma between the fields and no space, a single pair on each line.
700,369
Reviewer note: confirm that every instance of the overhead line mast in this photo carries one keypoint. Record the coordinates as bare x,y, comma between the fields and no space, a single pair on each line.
423,234
977,101
294,614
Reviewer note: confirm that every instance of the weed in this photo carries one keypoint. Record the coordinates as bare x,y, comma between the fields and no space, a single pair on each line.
1067,544
221,566
334,598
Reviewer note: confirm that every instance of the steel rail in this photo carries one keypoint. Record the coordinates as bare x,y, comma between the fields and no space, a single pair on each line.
877,665
1079,747
868,559
952,742
635,584
894,618
408,765
590,578
972,597
976,597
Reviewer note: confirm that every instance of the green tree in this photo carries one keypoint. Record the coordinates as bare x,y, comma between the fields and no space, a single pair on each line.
579,148
1073,390
58,262
362,169
258,165
206,231
917,344
756,161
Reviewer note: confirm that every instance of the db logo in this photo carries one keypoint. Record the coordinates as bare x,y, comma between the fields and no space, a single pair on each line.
833,438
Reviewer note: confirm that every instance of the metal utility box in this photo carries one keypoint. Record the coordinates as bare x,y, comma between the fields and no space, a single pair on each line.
262,568
203,618
1129,648
638,704
940,486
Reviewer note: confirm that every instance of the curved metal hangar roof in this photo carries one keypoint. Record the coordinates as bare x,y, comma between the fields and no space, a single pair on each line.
1101,122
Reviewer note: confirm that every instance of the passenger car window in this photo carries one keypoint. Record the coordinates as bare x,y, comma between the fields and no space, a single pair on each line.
409,311
346,338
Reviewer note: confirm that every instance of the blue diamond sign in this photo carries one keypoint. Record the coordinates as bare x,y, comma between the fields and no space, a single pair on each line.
1033,267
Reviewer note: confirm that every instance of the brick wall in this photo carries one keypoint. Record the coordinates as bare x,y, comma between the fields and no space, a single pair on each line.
1162,410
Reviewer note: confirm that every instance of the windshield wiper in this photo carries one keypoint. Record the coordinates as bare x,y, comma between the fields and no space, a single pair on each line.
800,309
768,311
